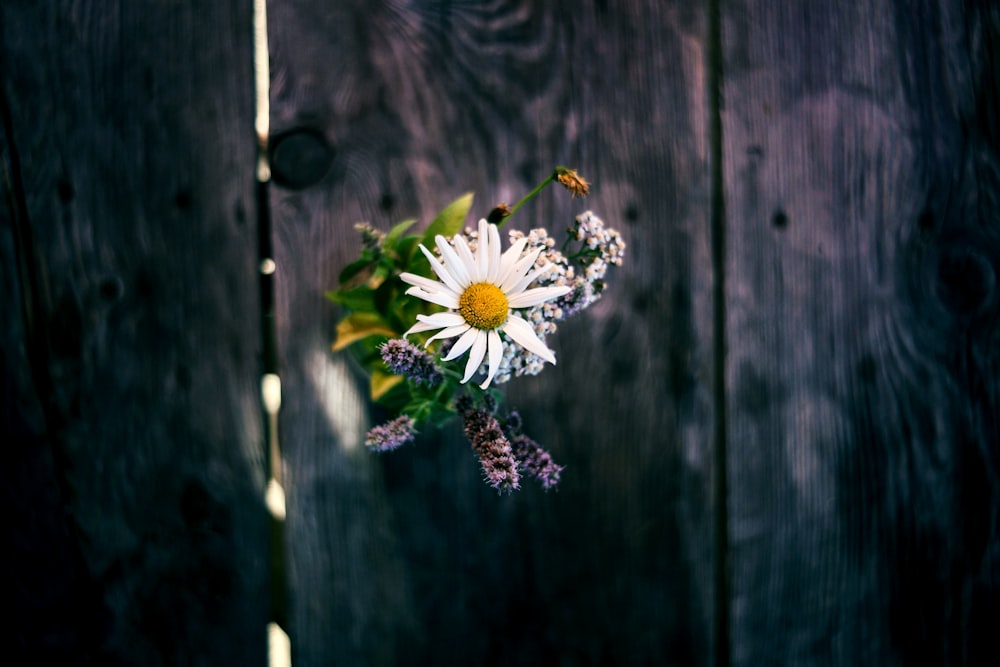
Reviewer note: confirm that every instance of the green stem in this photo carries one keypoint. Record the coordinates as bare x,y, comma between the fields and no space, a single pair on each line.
443,389
528,197
448,373
565,245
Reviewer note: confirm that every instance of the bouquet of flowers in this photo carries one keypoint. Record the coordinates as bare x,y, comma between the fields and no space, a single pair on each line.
416,304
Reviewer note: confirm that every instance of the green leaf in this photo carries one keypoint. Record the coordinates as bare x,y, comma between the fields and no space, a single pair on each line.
356,273
359,299
384,296
449,221
368,352
357,326
440,415
394,234
406,249
395,398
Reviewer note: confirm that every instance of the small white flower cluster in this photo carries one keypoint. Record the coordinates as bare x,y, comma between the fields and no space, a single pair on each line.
584,271
605,245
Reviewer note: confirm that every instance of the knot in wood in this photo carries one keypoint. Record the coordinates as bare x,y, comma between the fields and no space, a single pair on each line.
299,158
966,280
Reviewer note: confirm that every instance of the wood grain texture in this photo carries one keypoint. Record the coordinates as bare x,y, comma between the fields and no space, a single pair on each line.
128,153
861,171
409,558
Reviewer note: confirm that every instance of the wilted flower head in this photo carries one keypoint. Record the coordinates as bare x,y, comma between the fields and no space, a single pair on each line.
572,181
498,213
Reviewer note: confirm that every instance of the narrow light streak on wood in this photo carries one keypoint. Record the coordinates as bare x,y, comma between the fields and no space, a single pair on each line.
279,647
275,499
262,90
262,73
270,390
342,403
263,168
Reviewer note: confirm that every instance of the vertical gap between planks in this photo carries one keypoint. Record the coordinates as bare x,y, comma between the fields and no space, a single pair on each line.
278,642
717,225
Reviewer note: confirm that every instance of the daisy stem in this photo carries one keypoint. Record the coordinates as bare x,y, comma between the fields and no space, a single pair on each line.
449,373
528,197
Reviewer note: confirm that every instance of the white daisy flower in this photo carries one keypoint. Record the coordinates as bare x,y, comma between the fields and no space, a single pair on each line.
479,290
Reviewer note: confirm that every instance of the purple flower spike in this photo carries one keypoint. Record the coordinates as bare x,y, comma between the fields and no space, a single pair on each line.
494,450
391,435
534,459
404,358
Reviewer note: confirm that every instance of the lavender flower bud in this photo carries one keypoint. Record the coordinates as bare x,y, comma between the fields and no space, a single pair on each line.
534,459
391,435
491,445
406,359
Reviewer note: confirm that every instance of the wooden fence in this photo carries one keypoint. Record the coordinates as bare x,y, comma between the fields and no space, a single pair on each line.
781,426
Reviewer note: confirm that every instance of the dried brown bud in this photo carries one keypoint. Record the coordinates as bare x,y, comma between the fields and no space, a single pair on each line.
572,181
500,212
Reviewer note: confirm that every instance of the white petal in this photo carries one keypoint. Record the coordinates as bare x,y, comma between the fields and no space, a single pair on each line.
482,252
463,252
476,355
454,265
530,278
494,268
439,320
441,298
462,344
524,335
533,297
449,332
441,272
495,353
520,270
509,259
425,284
420,327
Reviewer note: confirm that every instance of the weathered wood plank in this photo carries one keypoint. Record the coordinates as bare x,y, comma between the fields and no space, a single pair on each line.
861,174
409,558
128,155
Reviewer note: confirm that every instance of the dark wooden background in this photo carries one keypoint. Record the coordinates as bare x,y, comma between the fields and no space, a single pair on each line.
806,326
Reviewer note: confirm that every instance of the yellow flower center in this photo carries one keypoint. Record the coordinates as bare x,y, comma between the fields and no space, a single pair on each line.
483,305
